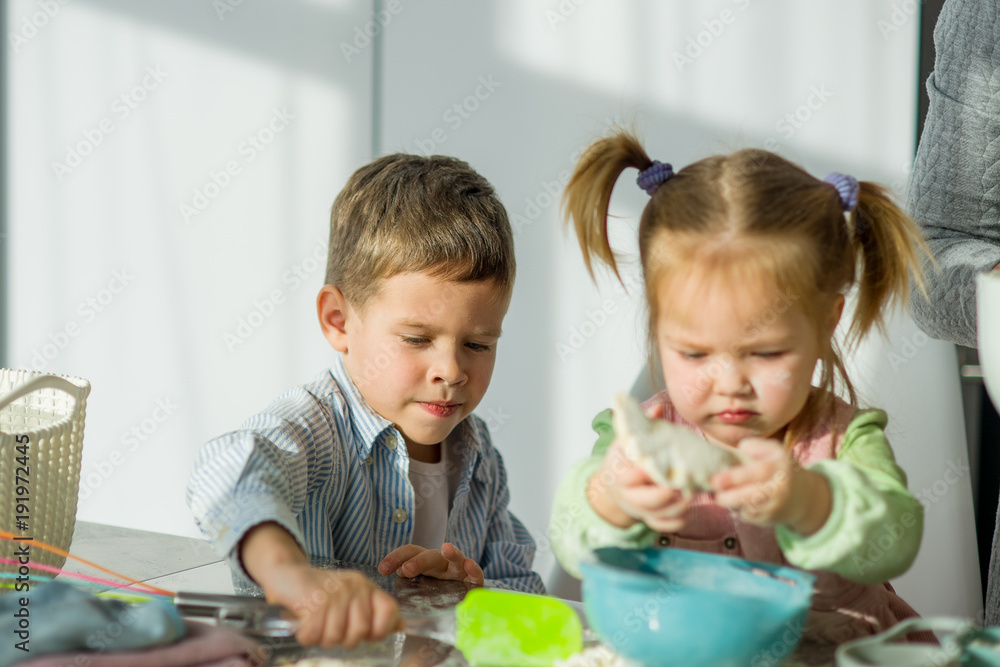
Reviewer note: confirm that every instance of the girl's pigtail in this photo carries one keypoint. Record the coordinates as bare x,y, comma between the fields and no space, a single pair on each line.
588,193
886,242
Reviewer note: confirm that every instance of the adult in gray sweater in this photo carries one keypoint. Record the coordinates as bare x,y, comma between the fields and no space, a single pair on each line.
955,187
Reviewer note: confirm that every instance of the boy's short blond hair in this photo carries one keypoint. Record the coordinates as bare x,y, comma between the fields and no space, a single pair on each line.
404,213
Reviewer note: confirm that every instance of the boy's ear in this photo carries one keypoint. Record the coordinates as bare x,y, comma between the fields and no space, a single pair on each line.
331,306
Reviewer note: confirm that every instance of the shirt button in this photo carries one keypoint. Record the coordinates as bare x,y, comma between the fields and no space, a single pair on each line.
369,460
730,543
390,441
399,515
664,541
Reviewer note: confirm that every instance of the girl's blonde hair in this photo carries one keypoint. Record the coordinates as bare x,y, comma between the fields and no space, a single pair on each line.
753,214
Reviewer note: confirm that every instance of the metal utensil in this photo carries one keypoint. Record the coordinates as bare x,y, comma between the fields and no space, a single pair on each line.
249,615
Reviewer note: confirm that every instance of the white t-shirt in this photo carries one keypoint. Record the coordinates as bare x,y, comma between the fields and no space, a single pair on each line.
431,500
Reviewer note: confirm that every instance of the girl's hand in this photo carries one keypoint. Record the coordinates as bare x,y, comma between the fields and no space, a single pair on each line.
772,488
448,563
623,494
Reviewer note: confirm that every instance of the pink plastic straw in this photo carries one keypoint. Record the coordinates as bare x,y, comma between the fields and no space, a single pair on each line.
84,577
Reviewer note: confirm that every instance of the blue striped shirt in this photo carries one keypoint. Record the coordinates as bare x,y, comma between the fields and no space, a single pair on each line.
334,473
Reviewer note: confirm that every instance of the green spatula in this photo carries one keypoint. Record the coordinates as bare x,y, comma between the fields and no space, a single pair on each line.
494,627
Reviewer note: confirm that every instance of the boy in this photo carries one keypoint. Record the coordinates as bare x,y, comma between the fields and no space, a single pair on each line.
419,277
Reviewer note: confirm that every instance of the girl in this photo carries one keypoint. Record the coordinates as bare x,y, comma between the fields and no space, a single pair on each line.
746,259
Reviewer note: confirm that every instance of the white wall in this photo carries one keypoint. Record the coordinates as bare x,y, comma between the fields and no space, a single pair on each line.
154,343
515,87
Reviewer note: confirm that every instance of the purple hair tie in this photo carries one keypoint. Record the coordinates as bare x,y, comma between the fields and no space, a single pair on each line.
847,188
651,178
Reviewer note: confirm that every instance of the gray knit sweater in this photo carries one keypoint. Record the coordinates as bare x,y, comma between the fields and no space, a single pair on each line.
954,191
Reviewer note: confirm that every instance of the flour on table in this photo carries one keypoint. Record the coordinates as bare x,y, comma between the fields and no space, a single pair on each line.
596,656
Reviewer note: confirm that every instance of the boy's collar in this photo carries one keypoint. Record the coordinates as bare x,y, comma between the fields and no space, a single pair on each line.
467,443
367,424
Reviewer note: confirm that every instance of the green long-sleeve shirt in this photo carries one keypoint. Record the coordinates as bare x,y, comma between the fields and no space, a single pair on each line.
872,534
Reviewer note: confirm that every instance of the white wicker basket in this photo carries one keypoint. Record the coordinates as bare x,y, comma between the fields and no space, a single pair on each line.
50,410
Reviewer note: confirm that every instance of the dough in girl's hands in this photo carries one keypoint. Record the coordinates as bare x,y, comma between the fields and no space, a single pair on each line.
672,455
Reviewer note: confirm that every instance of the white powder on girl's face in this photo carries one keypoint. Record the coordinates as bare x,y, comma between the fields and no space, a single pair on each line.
780,378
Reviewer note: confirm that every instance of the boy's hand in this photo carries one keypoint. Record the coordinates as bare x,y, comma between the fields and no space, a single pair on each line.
622,493
772,488
334,607
448,563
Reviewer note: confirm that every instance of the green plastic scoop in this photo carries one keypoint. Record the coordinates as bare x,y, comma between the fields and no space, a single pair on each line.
503,628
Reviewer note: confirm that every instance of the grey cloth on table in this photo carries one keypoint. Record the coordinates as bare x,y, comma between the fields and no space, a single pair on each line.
68,627
954,191
203,646
61,618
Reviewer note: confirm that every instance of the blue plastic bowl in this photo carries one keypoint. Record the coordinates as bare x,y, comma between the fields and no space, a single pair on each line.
679,608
